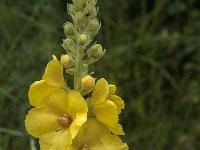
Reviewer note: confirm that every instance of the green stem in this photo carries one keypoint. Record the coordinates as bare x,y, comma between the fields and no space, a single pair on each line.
79,68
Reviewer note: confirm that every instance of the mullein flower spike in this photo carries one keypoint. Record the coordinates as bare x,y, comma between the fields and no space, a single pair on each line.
65,117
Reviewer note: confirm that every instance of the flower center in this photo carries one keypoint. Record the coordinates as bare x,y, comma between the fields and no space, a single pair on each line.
65,120
85,147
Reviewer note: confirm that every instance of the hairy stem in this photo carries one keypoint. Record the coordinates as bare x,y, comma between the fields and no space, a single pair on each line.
79,68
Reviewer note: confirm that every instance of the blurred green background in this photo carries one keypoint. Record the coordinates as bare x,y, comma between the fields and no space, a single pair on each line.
153,56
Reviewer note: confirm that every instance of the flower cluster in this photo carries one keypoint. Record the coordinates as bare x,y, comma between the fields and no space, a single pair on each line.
85,117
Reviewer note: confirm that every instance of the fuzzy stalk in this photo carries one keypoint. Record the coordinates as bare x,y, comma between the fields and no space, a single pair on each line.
79,68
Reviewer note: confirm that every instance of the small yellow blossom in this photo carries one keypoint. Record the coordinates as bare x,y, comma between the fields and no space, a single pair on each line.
94,135
106,106
52,80
59,122
87,83
66,61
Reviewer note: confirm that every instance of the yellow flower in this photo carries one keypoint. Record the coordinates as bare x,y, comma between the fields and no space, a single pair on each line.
94,135
87,83
59,121
52,80
106,106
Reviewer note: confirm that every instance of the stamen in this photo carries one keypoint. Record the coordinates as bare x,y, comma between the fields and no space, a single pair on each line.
85,147
65,120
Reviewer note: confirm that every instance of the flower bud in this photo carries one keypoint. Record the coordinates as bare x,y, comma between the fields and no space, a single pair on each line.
71,9
87,83
70,29
93,27
69,45
78,3
83,39
93,2
79,18
90,12
83,3
66,61
96,51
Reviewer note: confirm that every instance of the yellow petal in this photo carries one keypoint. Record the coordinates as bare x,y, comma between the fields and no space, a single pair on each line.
57,102
118,130
110,142
75,104
38,92
77,123
70,147
112,89
59,140
108,115
118,102
40,121
90,133
54,74
100,92
54,57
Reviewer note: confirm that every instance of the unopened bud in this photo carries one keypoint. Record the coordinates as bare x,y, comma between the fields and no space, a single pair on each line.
66,61
69,45
93,27
87,83
90,11
81,4
79,18
96,51
83,39
78,3
71,9
93,2
70,29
